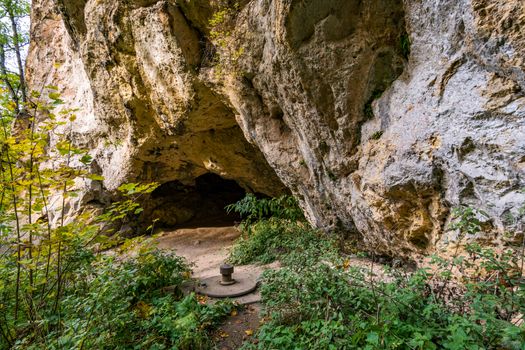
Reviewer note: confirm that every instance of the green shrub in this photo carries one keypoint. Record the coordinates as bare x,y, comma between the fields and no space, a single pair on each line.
111,304
320,304
276,239
317,301
253,209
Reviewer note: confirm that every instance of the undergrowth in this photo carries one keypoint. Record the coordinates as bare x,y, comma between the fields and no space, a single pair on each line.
111,304
274,229
58,290
253,209
318,300
273,239
332,306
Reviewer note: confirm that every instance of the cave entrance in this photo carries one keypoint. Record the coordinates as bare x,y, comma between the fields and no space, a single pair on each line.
180,206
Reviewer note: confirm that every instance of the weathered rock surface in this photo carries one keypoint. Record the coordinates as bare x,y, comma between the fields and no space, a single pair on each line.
373,137
144,112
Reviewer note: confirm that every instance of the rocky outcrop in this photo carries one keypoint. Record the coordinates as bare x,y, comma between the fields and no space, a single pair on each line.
380,115
145,114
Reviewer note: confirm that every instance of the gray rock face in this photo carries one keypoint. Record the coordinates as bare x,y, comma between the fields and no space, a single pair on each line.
145,114
380,115
453,126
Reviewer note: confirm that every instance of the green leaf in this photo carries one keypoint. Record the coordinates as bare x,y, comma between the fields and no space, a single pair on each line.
95,177
86,159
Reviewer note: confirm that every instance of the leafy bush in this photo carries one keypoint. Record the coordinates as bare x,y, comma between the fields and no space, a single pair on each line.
117,305
327,306
317,301
253,209
275,228
276,239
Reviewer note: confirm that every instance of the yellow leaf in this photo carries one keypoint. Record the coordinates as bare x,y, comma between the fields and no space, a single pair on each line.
143,309
223,334
234,313
249,332
346,264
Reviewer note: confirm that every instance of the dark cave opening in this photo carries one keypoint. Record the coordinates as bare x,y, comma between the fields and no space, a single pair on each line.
176,205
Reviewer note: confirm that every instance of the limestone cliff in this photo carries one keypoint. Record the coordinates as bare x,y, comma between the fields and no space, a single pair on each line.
380,115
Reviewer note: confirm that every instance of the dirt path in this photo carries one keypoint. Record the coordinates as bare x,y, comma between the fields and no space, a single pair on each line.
238,328
207,248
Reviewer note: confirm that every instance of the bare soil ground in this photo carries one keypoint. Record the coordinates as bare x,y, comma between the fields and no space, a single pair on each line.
238,328
207,248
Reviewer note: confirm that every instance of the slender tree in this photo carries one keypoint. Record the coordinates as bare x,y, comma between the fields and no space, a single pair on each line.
14,39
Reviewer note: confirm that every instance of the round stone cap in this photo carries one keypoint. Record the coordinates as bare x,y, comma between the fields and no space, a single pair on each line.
212,287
